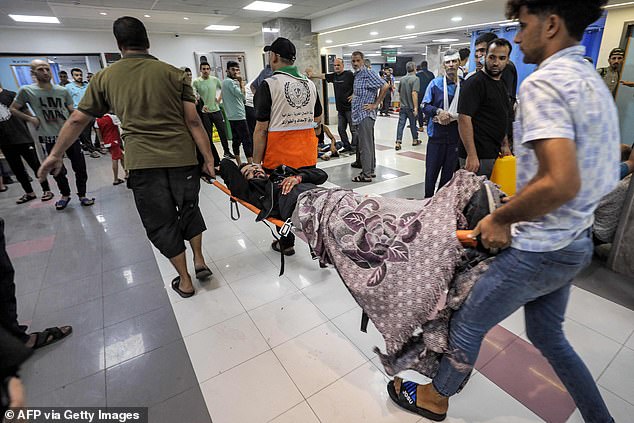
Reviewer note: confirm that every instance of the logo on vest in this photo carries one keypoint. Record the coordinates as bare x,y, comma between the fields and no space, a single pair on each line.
297,93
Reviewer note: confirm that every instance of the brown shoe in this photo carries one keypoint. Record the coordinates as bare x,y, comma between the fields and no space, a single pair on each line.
423,400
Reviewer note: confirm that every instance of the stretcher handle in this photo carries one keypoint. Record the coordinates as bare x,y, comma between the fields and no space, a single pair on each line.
465,238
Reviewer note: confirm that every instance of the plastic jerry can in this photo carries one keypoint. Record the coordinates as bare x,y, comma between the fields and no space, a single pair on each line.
505,173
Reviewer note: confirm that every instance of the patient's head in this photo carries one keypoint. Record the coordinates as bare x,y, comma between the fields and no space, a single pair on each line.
252,171
625,152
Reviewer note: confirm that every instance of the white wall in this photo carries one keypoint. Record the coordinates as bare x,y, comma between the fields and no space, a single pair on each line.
614,26
176,51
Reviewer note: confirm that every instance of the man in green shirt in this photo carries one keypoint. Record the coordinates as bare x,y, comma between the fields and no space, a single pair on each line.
207,86
233,94
161,130
612,74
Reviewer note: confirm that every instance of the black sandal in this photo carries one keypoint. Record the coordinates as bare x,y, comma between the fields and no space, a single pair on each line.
361,178
406,399
50,335
288,251
175,286
25,199
203,273
398,146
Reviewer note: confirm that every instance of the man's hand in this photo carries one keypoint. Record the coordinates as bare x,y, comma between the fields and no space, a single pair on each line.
35,121
289,183
628,83
444,118
415,111
51,165
16,393
472,164
350,99
506,150
492,234
205,109
371,106
209,168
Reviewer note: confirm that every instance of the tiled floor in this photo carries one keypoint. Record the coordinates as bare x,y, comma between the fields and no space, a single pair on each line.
251,346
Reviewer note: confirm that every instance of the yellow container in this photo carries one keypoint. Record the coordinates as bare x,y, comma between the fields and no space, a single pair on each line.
505,173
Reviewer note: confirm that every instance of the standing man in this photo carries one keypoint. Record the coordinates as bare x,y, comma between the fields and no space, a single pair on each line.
612,74
63,78
233,90
425,77
464,58
265,73
16,144
278,140
207,87
77,89
52,105
408,93
161,131
441,105
546,227
365,102
387,100
485,113
343,82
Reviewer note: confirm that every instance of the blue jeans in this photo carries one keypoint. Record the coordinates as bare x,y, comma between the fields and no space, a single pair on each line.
344,119
441,159
541,283
403,116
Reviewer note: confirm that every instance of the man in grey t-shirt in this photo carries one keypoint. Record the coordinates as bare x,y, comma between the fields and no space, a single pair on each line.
52,105
408,89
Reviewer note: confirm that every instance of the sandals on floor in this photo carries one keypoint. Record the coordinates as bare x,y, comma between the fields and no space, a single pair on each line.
397,146
47,196
118,181
175,286
288,251
361,178
417,142
4,188
86,202
406,399
50,335
25,199
203,273
61,203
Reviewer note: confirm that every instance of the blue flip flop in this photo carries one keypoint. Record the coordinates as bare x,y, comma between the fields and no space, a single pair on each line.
61,204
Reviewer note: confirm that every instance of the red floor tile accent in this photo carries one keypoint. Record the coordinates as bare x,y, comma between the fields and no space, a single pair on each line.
382,147
26,248
412,155
496,341
523,372
41,204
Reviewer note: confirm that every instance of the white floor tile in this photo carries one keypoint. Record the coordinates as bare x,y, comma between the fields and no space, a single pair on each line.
621,410
606,317
595,350
258,290
205,310
216,349
515,322
318,357
253,392
630,342
229,246
244,265
619,377
299,414
331,297
359,397
286,318
307,272
350,324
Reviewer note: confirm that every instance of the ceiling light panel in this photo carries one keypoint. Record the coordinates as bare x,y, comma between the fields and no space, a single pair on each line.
267,6
34,19
222,27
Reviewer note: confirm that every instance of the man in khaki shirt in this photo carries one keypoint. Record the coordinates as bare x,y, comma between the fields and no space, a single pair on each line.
161,131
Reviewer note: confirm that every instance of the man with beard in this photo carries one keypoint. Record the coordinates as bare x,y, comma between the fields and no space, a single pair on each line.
612,74
485,113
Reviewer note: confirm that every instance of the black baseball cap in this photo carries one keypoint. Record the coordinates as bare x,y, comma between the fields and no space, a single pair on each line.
617,52
284,47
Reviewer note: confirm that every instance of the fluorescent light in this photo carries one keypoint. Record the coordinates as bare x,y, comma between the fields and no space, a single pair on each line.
410,26
445,40
509,24
404,16
619,4
373,54
374,33
272,30
392,46
35,19
222,27
103,13
456,19
186,18
355,45
409,37
306,44
461,44
146,16
328,41
267,6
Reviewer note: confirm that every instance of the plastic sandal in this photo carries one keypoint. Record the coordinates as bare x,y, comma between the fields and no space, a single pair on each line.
361,178
118,181
397,146
47,196
61,204
25,199
86,202
175,282
51,335
203,273
404,400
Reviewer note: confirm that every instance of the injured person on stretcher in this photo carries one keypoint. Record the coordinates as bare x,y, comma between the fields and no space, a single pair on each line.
275,193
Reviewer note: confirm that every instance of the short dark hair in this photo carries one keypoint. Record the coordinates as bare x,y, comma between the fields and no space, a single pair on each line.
130,34
424,64
63,73
76,70
358,53
576,14
204,64
487,37
232,64
186,69
464,53
500,42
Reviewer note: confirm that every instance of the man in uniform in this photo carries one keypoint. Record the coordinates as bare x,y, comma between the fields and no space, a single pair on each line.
612,74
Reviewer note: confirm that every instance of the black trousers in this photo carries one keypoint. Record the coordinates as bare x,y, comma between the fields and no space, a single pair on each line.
241,135
85,138
207,125
217,120
8,302
78,163
14,155
167,202
251,120
387,103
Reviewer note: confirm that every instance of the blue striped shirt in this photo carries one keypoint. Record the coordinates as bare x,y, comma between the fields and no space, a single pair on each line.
566,98
365,90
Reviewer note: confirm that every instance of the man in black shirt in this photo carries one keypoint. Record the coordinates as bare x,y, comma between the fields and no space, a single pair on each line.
342,80
16,144
485,113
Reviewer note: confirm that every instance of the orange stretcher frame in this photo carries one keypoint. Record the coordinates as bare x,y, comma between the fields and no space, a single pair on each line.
463,235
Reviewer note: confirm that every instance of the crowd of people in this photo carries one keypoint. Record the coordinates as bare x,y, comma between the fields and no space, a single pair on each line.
544,232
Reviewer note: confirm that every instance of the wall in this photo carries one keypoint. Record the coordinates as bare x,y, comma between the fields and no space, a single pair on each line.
178,51
613,31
